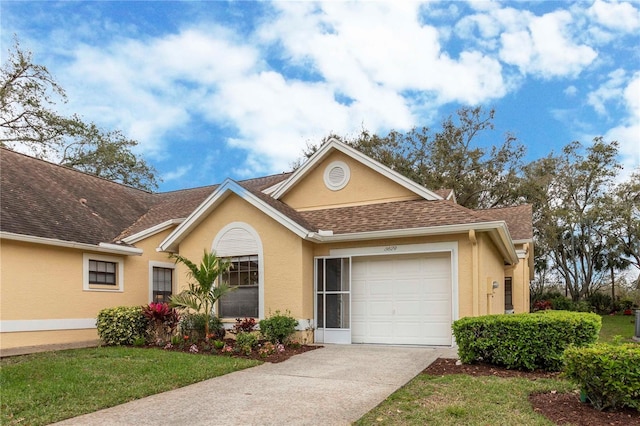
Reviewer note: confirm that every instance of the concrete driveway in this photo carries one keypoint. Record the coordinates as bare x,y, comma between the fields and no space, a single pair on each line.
334,385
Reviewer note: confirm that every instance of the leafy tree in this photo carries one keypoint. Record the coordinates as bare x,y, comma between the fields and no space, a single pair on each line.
570,195
203,291
28,95
624,217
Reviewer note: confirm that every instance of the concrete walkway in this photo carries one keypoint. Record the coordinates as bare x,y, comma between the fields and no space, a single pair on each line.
334,385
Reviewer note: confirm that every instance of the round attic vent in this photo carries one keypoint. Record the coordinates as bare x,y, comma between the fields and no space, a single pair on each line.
336,175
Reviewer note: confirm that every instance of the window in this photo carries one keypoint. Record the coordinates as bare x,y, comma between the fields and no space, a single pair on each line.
508,294
244,277
162,284
101,272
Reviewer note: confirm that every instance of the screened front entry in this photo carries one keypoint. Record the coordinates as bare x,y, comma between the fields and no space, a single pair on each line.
333,300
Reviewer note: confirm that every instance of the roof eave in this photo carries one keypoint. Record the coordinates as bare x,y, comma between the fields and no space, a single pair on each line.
497,228
101,247
146,233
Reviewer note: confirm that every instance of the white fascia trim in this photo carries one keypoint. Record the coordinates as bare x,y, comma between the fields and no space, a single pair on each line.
101,248
358,156
228,186
16,326
134,251
528,240
146,233
270,190
499,226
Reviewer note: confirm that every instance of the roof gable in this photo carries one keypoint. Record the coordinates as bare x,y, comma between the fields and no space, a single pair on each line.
280,213
334,145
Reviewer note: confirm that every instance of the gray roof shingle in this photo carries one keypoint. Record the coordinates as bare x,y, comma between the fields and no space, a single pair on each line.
42,199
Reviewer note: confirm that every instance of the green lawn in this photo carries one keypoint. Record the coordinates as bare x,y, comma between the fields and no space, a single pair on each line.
463,400
467,400
617,325
46,387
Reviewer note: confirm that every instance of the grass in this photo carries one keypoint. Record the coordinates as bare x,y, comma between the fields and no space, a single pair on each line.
463,400
468,400
46,387
617,325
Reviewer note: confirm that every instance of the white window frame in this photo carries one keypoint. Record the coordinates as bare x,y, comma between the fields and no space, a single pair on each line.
260,252
167,265
86,286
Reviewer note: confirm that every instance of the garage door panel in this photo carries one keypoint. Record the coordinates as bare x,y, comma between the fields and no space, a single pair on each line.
402,300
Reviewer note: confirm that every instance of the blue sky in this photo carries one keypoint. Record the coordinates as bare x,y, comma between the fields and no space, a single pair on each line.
236,89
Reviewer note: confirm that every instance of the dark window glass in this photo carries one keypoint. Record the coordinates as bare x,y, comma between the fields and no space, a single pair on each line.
243,277
101,272
508,293
162,284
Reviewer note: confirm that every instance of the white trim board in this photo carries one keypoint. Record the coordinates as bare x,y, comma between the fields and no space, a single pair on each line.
100,248
15,326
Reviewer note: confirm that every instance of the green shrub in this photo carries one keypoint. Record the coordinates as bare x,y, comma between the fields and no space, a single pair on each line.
121,325
602,303
524,341
246,342
561,303
609,375
192,325
278,328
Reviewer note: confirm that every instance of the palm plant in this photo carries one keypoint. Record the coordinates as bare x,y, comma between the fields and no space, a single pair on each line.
203,292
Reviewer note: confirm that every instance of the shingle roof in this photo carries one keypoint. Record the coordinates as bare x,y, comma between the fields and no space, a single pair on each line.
393,215
519,219
42,199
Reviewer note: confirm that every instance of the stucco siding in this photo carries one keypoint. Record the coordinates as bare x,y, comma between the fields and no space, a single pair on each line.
365,186
491,270
284,257
42,287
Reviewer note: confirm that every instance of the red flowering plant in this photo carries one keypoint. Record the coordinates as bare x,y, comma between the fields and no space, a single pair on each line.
246,325
163,321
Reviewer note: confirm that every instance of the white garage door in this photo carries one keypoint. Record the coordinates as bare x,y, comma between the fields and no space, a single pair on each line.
401,299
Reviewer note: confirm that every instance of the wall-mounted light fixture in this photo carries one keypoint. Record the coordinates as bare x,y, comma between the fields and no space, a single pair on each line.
496,284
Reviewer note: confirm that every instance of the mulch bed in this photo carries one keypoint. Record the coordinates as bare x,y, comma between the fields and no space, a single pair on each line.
289,351
560,408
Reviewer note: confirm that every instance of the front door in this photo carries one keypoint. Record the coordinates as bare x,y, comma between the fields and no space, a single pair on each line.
333,300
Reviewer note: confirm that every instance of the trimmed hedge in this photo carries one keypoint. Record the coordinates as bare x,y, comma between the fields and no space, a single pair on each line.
609,375
524,341
121,325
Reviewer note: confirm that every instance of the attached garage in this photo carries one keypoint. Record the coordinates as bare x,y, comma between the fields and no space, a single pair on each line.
402,299
406,297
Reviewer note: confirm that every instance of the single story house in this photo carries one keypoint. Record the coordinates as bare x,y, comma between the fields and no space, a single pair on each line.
355,251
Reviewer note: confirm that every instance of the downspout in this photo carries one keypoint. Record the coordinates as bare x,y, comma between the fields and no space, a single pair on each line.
475,271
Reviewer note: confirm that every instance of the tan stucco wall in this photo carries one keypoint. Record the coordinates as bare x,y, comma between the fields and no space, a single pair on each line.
365,186
491,269
41,282
520,274
288,279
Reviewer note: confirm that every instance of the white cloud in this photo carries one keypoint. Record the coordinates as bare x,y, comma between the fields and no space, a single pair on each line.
176,174
571,91
627,133
612,89
616,16
546,48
